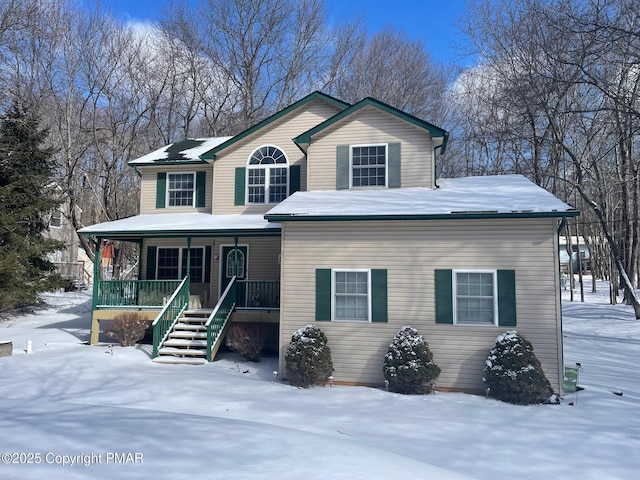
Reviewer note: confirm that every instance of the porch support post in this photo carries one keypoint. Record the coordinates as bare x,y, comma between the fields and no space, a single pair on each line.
189,257
140,246
97,260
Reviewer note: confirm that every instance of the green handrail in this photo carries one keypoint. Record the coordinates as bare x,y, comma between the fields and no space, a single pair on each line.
169,315
134,293
220,316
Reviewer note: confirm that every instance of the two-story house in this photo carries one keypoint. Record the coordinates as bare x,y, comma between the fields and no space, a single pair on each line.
331,213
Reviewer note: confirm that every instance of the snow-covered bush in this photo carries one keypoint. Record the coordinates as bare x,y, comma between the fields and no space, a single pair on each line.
513,373
308,357
408,364
247,340
127,328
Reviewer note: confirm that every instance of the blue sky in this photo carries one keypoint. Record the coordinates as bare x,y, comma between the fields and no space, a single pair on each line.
430,20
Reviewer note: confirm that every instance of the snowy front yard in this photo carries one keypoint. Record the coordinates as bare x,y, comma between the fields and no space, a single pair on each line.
122,416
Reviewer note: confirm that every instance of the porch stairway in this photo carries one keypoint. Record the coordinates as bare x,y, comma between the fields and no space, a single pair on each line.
187,341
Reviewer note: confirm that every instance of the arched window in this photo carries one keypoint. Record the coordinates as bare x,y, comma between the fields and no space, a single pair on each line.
231,257
267,175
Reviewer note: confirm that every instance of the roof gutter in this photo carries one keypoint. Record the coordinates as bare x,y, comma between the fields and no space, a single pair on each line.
440,216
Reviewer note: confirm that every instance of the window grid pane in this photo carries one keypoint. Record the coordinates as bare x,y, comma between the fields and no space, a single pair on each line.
168,263
369,166
256,185
277,184
351,296
181,189
474,298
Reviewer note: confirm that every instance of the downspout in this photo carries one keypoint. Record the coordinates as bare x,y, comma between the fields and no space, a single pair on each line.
435,166
563,223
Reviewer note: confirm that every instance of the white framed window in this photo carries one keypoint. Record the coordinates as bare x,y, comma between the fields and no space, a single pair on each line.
351,295
267,175
181,189
56,218
475,297
172,263
369,165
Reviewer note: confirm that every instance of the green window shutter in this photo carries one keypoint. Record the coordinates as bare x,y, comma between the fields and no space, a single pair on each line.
444,296
379,307
323,294
207,264
393,157
241,173
507,298
201,188
161,190
294,179
151,262
342,167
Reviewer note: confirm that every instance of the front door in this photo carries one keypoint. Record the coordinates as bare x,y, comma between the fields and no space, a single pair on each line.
228,268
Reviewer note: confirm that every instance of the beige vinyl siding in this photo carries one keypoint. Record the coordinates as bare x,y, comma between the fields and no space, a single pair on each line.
263,253
372,126
148,188
410,252
278,134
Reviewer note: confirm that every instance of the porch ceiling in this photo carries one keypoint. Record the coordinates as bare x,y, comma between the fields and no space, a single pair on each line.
182,225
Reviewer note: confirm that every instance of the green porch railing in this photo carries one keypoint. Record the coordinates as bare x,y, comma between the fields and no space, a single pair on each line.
134,293
257,294
218,319
167,318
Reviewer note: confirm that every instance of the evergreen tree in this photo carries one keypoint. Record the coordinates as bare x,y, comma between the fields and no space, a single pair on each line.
27,198
514,374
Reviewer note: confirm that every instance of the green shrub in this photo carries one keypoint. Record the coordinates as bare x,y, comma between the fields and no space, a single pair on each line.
513,373
408,364
308,357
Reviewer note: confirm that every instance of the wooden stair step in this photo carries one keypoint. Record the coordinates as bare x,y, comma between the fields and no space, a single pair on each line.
191,352
180,360
196,327
188,334
185,343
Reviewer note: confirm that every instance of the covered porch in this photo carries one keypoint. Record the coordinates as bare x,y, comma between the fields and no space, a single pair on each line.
197,264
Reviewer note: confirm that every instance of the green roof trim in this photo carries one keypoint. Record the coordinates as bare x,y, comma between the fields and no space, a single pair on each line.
210,155
279,218
436,132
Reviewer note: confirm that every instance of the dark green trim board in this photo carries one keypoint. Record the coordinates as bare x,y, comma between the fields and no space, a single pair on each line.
201,188
294,179
394,175
435,132
342,167
506,298
323,294
151,262
444,296
161,190
240,181
207,264
379,306
211,154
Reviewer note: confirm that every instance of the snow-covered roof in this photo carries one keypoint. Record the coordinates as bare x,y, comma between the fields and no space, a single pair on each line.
181,224
185,151
486,196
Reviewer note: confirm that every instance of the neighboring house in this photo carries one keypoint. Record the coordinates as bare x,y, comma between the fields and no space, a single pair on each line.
330,213
66,260
585,258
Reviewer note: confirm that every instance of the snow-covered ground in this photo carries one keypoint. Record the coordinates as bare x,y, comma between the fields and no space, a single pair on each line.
122,416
